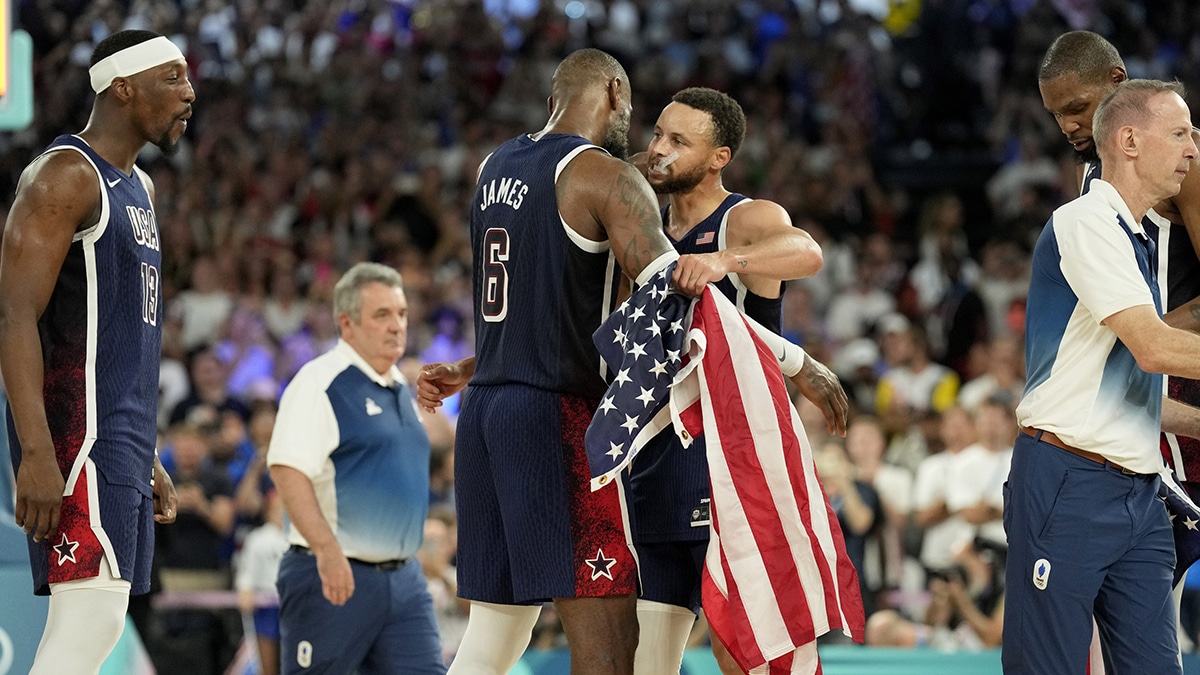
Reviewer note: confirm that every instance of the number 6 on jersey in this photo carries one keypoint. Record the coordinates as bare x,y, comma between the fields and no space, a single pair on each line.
495,280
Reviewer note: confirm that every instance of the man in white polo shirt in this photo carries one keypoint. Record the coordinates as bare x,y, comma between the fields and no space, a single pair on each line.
351,460
1086,530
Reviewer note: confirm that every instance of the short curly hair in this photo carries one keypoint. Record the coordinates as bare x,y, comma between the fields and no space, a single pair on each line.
729,121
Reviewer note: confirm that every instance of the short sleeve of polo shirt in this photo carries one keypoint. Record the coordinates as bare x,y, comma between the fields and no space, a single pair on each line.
306,430
1098,261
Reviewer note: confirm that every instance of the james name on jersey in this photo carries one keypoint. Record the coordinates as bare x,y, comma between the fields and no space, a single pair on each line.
505,190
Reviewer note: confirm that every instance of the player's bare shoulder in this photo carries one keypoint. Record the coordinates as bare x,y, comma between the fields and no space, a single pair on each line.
61,186
751,220
602,197
593,177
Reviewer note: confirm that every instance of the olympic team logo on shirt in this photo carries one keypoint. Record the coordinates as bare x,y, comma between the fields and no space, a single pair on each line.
304,653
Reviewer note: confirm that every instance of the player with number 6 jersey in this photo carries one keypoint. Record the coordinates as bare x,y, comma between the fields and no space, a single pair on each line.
557,216
538,331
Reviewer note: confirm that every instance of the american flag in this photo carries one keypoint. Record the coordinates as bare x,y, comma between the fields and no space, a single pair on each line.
1185,524
642,342
776,573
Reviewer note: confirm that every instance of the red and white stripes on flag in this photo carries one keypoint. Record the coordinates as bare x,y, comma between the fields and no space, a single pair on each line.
777,575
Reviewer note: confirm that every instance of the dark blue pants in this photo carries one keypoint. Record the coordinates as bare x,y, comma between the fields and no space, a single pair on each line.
388,625
1085,539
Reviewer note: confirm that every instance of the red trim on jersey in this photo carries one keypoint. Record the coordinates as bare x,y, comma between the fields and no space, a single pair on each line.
74,551
604,564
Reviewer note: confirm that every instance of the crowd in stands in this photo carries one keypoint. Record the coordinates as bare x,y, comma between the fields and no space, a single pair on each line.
907,137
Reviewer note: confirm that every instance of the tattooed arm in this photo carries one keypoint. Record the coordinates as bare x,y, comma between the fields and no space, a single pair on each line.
601,197
1185,316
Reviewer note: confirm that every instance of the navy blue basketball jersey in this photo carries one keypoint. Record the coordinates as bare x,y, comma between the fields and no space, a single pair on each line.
101,334
541,289
1091,171
669,483
708,236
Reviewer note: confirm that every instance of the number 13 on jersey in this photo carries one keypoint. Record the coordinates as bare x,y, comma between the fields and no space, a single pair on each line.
150,294
494,302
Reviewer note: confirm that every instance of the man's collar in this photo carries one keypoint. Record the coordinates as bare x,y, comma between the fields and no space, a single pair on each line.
352,355
1114,199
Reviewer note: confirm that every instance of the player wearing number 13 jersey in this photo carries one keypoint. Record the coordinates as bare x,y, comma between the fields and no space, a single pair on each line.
80,346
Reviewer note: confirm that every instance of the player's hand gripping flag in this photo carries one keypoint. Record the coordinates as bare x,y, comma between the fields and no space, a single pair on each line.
776,572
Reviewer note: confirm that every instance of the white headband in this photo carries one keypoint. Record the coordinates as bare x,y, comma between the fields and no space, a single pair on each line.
131,60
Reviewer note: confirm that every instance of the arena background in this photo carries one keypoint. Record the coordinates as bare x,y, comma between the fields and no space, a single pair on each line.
907,136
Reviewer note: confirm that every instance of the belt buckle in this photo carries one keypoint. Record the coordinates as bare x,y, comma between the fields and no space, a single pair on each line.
1127,472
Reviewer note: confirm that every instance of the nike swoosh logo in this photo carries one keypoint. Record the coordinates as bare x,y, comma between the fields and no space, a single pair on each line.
113,183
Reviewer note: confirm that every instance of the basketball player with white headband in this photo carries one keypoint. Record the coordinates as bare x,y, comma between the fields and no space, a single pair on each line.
80,344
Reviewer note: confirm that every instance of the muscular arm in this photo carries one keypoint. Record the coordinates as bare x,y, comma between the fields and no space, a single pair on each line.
300,502
762,248
602,197
1157,347
57,195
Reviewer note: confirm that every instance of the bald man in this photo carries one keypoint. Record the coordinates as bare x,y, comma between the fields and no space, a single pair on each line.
557,217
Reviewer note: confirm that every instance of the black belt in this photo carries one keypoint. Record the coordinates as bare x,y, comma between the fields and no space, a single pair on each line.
384,566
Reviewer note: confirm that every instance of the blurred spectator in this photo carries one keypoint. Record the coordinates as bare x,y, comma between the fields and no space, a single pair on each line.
1004,377
247,354
441,476
915,382
966,608
284,310
944,256
203,308
256,480
436,557
995,420
206,512
865,444
944,529
256,567
858,366
210,393
859,306
449,340
318,336
857,506
1003,281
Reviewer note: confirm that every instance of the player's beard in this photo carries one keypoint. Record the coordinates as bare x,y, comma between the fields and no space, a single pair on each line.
1088,156
167,146
680,182
616,141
